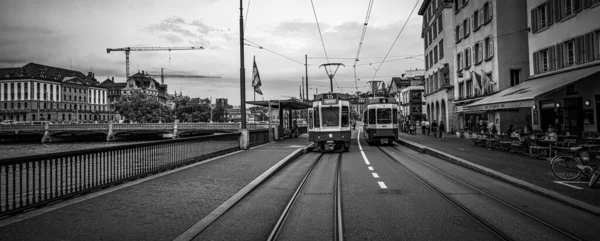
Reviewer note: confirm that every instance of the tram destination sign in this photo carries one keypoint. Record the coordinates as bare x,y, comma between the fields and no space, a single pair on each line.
330,99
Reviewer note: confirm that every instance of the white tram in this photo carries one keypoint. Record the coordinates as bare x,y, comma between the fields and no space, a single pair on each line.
380,117
329,122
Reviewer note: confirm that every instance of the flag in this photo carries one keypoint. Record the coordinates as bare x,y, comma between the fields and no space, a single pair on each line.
256,79
487,82
300,91
478,82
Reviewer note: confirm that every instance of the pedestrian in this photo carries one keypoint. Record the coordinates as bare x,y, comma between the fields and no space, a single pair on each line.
442,129
434,126
354,125
424,126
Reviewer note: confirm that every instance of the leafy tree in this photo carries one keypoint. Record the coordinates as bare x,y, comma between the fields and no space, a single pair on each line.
220,114
191,110
142,108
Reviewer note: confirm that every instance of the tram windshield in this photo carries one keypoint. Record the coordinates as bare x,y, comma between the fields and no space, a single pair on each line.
330,116
384,116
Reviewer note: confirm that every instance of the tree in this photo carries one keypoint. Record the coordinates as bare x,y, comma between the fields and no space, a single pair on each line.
220,114
192,110
142,108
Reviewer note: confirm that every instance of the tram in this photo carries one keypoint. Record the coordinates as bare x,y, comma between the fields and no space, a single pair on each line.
329,122
380,117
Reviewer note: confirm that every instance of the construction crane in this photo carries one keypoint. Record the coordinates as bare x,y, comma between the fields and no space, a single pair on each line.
129,49
162,76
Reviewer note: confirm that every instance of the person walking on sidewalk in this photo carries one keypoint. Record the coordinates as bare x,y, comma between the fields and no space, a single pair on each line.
434,126
442,129
424,127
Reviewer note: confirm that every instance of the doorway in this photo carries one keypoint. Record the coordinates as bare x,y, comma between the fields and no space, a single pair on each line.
547,114
573,116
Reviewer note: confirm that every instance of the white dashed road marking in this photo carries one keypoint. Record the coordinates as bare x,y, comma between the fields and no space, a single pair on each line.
370,168
382,185
375,175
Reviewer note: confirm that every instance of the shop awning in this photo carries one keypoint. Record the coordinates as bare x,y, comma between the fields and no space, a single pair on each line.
524,94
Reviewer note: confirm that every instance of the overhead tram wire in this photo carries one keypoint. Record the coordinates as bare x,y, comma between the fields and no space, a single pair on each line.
362,38
255,45
394,43
247,10
321,35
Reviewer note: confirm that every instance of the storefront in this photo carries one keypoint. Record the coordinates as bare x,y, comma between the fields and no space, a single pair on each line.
568,100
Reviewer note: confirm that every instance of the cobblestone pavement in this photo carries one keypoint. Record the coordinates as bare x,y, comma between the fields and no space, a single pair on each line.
158,209
533,171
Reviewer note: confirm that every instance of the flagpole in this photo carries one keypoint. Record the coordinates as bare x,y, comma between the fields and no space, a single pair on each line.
254,59
244,137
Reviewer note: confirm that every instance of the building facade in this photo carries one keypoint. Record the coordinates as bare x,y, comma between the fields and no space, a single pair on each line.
481,70
438,38
37,92
564,41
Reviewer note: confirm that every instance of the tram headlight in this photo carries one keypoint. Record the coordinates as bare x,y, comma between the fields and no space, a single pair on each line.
330,135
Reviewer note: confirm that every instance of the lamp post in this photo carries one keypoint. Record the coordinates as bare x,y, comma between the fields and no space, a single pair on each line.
244,137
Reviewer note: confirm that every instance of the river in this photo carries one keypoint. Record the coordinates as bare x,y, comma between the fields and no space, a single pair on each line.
28,149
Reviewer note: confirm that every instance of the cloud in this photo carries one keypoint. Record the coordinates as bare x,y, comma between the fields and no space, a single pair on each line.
30,44
177,30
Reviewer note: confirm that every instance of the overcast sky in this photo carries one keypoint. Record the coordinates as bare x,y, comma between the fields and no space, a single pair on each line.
55,32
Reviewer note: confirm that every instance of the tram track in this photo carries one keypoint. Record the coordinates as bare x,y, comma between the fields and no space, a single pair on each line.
337,214
494,230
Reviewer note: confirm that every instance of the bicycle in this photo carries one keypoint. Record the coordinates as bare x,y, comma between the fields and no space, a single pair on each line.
572,164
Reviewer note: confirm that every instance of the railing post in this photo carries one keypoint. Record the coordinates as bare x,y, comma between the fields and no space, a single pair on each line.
110,136
175,129
47,138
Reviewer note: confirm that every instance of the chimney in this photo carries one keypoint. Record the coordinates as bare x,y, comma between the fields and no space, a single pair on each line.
142,72
113,79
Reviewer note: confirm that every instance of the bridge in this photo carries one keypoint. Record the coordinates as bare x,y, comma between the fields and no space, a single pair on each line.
113,129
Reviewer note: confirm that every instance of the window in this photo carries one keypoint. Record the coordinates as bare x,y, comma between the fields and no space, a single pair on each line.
487,11
466,27
477,53
317,119
476,22
372,116
456,6
461,90
435,54
441,48
544,61
345,116
569,7
440,24
470,88
395,116
430,59
542,16
456,36
434,31
430,37
570,52
515,76
458,62
489,47
468,57
384,116
426,62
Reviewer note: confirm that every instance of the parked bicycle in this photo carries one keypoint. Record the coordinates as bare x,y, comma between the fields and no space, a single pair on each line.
573,163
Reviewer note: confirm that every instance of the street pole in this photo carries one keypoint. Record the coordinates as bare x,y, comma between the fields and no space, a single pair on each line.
244,137
306,74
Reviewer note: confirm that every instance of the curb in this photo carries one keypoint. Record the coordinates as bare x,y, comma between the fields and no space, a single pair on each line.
502,177
198,227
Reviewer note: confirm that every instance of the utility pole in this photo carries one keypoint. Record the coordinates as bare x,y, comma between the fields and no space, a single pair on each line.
244,136
306,74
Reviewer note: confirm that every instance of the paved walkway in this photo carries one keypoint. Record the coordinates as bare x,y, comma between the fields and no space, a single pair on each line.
533,171
160,208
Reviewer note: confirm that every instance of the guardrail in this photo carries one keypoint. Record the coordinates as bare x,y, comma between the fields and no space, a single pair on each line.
145,126
32,181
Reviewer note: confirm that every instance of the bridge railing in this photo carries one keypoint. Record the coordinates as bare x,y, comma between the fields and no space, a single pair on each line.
31,181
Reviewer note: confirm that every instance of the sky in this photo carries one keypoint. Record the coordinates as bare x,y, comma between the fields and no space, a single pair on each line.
76,33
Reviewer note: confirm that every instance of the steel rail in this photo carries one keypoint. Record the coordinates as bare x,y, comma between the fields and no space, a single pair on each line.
553,227
480,220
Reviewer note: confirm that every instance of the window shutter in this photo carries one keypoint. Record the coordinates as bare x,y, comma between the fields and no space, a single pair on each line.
491,46
474,54
534,26
490,10
472,23
557,9
551,58
591,48
577,6
559,56
580,49
535,63
481,17
549,18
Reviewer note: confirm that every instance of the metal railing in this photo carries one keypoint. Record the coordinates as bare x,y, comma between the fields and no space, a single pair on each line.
31,181
258,137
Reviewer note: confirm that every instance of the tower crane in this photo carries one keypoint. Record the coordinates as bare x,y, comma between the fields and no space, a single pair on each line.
129,49
162,76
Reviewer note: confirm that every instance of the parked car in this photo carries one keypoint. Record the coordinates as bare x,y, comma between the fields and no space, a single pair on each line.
35,123
8,122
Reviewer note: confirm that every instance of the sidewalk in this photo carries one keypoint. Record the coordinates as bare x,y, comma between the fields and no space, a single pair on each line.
159,208
536,172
